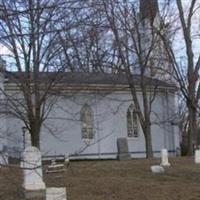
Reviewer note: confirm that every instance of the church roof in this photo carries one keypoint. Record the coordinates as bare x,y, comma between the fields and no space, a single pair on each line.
82,78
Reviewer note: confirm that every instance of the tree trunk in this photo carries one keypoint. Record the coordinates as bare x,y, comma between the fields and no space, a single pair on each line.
148,141
192,129
35,135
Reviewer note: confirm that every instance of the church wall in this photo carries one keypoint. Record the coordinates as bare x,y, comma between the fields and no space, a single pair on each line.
61,133
13,129
109,122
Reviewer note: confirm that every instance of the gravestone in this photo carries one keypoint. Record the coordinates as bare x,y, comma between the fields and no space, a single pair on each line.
32,169
54,167
157,169
178,151
122,147
67,158
197,156
164,158
27,139
56,193
27,143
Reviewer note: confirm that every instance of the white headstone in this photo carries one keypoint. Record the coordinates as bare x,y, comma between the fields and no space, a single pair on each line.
164,158
27,139
157,169
67,157
56,193
197,156
32,169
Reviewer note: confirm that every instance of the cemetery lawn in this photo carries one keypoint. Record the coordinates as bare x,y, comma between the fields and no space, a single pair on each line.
116,180
130,180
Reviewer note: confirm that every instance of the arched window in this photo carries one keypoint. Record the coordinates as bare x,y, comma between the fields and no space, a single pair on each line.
87,129
132,122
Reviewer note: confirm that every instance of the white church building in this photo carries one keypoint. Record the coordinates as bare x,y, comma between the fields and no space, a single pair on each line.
91,112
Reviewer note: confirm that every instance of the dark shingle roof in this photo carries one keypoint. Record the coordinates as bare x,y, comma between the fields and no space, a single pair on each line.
83,78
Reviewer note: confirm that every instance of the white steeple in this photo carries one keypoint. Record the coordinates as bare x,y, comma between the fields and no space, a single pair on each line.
152,26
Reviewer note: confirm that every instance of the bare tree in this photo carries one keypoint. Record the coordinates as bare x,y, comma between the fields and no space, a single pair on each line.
135,47
30,30
187,76
87,49
46,38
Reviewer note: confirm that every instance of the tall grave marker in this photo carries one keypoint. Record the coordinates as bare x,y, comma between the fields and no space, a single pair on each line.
122,147
164,158
32,169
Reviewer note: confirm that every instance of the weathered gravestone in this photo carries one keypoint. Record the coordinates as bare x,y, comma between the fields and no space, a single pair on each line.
54,167
27,139
122,147
164,158
197,156
32,169
157,169
27,143
56,193
178,151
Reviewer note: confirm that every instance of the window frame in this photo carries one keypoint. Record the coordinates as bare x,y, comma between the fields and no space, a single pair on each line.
87,123
132,124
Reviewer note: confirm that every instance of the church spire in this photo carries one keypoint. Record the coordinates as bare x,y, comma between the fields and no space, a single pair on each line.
149,9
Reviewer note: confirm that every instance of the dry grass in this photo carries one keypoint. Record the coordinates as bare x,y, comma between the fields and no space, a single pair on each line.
10,183
114,180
